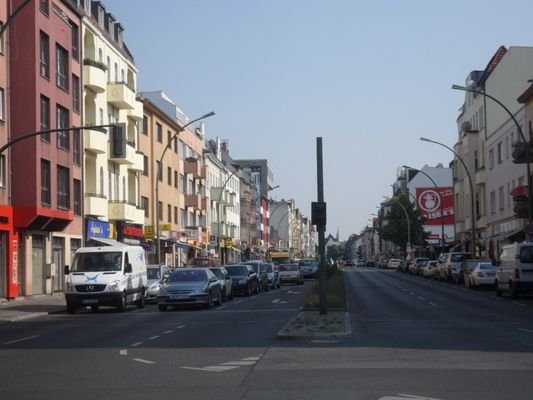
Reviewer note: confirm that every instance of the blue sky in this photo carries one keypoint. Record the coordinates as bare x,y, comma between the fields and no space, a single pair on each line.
370,78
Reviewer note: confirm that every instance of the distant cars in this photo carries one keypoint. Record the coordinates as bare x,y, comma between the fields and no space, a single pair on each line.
155,274
393,263
309,268
429,268
225,281
260,269
290,273
190,286
273,275
244,279
480,273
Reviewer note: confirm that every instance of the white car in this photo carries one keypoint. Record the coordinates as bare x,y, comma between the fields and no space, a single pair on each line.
483,273
393,263
155,273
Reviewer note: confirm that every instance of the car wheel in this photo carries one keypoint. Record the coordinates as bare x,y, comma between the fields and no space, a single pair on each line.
513,291
71,308
219,299
498,289
209,301
224,295
122,303
248,290
162,307
142,301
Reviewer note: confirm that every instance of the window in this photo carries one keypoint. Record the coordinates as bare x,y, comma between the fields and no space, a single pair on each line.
2,38
45,182
101,181
145,125
501,197
176,179
182,184
159,171
76,147
45,118
62,76
63,188
75,41
493,202
169,137
145,165
182,151
44,6
44,56
175,215
108,69
2,171
77,197
491,158
2,107
169,176
499,152
184,221
75,93
62,122
169,213
159,130
176,145
160,210
145,205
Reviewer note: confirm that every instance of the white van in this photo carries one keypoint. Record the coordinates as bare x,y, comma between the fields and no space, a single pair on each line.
515,269
106,276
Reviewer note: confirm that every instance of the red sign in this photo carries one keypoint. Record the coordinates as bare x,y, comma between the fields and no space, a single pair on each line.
436,205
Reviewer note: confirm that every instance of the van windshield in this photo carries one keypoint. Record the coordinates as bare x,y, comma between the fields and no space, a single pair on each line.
526,254
97,261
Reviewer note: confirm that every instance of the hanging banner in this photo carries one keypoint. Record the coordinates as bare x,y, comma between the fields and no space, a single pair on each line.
436,205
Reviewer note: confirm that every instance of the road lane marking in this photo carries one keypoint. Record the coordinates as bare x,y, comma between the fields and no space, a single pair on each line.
525,330
154,337
123,352
252,358
433,304
167,332
239,363
519,304
213,368
22,339
136,344
180,326
141,360
420,298
222,307
276,300
238,302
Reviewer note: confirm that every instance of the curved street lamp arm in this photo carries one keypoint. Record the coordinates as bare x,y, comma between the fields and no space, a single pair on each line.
11,17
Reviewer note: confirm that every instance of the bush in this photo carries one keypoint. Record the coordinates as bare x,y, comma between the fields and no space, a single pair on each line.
335,295
94,63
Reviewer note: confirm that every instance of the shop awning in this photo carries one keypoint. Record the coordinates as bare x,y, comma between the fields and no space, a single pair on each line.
106,241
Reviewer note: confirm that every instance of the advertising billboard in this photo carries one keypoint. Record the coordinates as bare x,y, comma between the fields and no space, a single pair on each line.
436,205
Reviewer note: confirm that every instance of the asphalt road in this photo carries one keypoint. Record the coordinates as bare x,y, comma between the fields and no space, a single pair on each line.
411,337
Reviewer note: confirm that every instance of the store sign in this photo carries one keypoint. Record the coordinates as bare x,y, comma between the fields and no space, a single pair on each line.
129,233
193,233
149,232
98,229
436,205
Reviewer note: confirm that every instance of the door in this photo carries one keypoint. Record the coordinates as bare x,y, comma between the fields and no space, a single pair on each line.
38,265
3,265
58,258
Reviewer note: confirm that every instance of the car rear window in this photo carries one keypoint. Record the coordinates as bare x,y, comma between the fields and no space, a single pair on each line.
237,271
288,267
188,276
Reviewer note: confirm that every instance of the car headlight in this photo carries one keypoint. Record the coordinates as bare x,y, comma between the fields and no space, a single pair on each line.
155,286
113,286
242,281
203,290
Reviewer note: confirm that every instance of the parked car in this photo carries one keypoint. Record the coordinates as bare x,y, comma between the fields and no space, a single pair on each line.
480,273
290,273
225,281
349,263
204,262
309,267
360,262
429,268
417,264
244,279
514,274
449,262
155,274
190,286
273,275
260,269
393,263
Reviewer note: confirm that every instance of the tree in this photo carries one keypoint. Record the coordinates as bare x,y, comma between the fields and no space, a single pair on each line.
393,226
335,251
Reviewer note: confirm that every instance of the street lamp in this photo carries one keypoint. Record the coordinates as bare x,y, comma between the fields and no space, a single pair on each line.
406,217
157,216
472,201
522,137
441,204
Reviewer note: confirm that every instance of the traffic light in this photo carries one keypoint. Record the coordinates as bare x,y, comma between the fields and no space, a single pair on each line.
520,206
118,140
318,213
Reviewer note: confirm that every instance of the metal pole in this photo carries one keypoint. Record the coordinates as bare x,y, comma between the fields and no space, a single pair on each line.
159,172
472,202
321,231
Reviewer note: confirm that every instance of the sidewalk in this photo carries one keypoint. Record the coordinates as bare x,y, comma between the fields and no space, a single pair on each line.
24,308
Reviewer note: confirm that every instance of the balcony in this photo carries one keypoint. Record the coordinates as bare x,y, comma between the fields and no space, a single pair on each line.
227,199
123,211
205,204
95,141
94,78
193,201
481,176
121,96
95,205
130,157
137,112
194,167
138,162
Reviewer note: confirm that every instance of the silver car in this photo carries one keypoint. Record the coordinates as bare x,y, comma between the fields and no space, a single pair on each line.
225,281
290,273
483,273
155,274
190,286
273,275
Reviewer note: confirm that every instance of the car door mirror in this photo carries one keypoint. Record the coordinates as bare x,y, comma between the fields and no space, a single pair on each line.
128,269
66,269
165,276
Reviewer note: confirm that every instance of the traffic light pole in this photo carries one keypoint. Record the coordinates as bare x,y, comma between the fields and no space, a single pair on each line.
321,227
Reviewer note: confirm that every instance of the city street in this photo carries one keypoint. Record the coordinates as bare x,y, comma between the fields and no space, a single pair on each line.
411,339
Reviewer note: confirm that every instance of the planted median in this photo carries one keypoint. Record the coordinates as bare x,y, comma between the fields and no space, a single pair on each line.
335,295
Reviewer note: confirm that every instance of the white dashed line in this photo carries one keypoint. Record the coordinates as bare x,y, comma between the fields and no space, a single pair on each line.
123,352
420,298
136,344
222,307
180,326
525,330
154,337
213,368
143,361
167,332
519,304
238,363
433,304
22,339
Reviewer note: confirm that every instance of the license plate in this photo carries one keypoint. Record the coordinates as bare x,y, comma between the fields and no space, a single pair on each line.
179,297
90,301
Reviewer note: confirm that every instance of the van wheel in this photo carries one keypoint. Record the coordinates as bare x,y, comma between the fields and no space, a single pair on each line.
71,308
141,302
219,299
123,303
498,290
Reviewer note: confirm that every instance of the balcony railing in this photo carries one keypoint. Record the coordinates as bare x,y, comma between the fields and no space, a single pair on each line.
95,141
95,204
194,167
94,77
121,95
